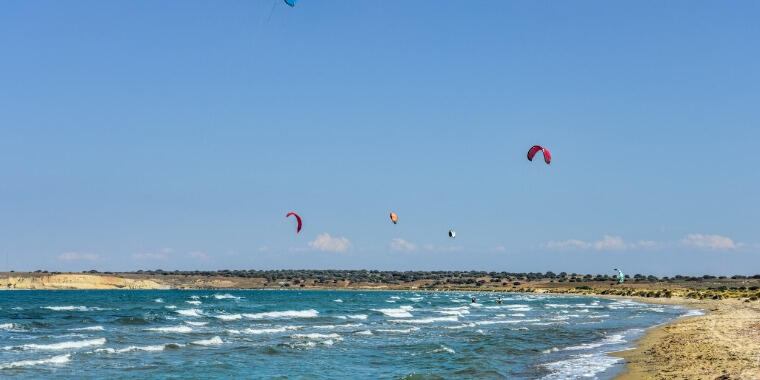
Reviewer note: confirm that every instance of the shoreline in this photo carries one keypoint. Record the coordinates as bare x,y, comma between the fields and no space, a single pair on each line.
723,343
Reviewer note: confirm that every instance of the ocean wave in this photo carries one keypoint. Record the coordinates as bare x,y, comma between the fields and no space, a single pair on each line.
457,311
270,330
171,329
191,323
9,326
443,348
505,321
612,339
317,336
338,300
415,299
311,313
194,302
89,328
324,327
73,308
228,317
60,345
364,332
153,348
226,297
427,320
399,312
189,312
60,359
579,366
215,341
159,300
170,307
400,331
358,316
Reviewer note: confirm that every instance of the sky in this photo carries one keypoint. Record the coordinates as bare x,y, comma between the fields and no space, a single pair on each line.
148,134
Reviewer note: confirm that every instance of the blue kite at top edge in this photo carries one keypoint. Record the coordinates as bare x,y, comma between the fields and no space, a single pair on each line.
292,3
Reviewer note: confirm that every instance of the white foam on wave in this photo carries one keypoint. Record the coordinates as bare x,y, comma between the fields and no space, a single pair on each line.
270,330
457,311
8,326
400,331
60,345
580,366
317,336
189,312
153,348
226,297
325,327
598,316
194,302
443,348
612,339
60,359
170,307
415,299
171,329
475,304
399,312
505,321
470,324
191,323
228,317
395,297
159,300
195,297
693,313
215,341
89,328
364,332
548,351
311,313
452,318
73,308
358,316
338,300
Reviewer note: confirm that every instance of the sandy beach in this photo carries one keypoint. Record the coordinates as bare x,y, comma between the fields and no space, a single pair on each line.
722,344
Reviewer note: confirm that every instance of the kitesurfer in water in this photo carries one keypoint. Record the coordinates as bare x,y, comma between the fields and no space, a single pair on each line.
474,300
498,300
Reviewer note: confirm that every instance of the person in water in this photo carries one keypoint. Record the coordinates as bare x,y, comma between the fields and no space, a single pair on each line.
474,300
498,300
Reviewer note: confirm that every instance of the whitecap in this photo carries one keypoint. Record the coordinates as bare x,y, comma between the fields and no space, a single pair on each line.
270,330
427,320
358,316
154,348
171,329
443,348
338,300
401,331
228,317
215,341
505,321
60,345
170,307
8,326
316,336
311,313
90,328
226,297
159,300
400,312
364,332
72,308
60,359
191,323
613,339
189,312
415,299
194,302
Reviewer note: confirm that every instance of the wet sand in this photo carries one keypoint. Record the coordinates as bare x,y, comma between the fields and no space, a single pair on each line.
722,344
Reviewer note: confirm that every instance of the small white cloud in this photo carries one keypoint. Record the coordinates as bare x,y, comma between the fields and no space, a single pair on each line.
399,244
149,256
714,242
499,248
74,256
607,243
327,243
263,248
198,255
648,244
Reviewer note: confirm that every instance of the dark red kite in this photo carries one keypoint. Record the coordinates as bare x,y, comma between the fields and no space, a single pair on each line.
298,218
532,152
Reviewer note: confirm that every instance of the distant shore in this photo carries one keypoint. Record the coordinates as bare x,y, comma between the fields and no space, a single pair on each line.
724,343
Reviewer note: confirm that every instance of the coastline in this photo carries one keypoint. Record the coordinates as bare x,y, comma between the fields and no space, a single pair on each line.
724,343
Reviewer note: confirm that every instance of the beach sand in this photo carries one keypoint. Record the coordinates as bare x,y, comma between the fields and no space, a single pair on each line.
722,344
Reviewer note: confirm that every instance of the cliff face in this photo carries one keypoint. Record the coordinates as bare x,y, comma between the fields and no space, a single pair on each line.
77,281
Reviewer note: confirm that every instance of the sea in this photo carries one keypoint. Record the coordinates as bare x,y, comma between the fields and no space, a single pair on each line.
315,334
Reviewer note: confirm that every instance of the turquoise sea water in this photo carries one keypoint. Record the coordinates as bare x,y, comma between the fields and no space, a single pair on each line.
315,334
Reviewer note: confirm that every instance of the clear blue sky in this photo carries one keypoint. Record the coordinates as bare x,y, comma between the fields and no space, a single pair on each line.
177,134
